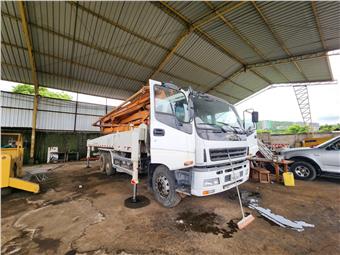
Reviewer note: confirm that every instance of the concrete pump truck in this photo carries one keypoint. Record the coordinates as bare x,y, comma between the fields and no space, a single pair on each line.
185,141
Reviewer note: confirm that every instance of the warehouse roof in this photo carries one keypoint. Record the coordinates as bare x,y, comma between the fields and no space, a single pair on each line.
110,49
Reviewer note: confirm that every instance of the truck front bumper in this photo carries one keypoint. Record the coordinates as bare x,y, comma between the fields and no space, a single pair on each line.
227,179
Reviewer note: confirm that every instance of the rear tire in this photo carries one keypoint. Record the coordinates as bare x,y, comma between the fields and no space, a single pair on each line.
108,165
164,187
303,170
102,162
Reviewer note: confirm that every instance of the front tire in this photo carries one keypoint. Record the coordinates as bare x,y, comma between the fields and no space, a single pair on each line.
303,170
164,187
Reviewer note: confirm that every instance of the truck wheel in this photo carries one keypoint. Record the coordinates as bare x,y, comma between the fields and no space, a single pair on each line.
108,165
102,162
164,187
303,170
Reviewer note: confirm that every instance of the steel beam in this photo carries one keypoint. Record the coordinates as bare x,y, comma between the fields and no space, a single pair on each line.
241,36
100,49
28,41
318,26
179,41
66,77
321,35
226,94
196,28
321,54
59,59
143,38
278,39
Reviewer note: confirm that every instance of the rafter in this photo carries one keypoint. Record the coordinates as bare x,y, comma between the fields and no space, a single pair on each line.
318,26
141,37
59,59
196,28
179,41
100,49
321,35
245,40
278,39
66,77
321,54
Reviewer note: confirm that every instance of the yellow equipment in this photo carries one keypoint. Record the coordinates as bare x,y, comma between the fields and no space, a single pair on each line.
314,141
11,164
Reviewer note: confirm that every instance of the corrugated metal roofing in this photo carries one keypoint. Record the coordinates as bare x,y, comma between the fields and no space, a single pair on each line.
111,49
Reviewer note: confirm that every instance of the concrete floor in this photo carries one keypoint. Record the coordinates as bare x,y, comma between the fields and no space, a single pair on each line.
67,219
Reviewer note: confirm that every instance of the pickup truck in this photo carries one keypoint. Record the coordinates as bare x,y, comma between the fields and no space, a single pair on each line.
322,160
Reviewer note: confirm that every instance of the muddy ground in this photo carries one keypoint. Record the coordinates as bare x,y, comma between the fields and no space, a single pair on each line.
81,211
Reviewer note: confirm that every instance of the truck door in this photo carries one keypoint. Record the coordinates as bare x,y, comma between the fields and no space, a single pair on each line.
172,139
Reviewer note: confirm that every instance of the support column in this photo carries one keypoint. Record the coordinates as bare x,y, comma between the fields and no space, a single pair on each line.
34,123
28,41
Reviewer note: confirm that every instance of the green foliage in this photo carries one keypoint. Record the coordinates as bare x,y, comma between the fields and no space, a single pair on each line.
260,131
329,128
44,92
297,129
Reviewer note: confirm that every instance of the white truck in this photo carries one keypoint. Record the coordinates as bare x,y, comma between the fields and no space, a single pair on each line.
193,143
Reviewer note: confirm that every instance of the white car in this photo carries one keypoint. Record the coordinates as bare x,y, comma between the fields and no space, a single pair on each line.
309,163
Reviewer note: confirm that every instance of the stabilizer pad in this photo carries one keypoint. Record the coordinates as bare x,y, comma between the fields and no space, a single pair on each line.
141,201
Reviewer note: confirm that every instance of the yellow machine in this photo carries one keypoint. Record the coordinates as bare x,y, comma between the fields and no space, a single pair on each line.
11,164
313,141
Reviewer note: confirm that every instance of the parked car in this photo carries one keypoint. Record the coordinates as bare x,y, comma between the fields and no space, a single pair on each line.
309,163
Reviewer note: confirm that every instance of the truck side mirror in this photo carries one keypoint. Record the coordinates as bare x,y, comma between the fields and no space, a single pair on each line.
255,117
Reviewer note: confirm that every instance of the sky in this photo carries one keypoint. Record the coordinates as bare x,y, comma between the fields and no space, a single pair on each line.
272,104
280,103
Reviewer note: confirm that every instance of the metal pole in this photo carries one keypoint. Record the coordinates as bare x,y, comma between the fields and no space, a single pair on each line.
134,195
34,125
75,115
27,38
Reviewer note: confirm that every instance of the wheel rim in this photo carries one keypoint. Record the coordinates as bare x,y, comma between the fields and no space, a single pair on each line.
163,186
302,171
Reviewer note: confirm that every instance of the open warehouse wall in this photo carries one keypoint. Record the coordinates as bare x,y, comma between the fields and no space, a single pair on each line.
60,123
53,114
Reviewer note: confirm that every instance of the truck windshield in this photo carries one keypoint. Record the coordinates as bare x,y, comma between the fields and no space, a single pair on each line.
211,113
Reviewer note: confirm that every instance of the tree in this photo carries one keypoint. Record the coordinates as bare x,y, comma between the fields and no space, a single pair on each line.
329,128
297,129
44,92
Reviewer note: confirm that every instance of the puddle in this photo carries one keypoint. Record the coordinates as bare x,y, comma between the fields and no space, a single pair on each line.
204,223
71,252
47,244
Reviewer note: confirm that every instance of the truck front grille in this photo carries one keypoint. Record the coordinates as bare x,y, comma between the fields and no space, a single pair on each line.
222,154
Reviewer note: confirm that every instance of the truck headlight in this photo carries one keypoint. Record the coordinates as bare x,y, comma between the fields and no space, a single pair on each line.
211,182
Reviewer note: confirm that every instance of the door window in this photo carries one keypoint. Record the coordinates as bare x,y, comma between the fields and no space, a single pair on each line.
171,108
334,146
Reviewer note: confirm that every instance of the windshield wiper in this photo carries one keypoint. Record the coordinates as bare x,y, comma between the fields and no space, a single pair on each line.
236,129
210,124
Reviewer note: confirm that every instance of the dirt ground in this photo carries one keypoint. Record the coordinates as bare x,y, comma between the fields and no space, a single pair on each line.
81,211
